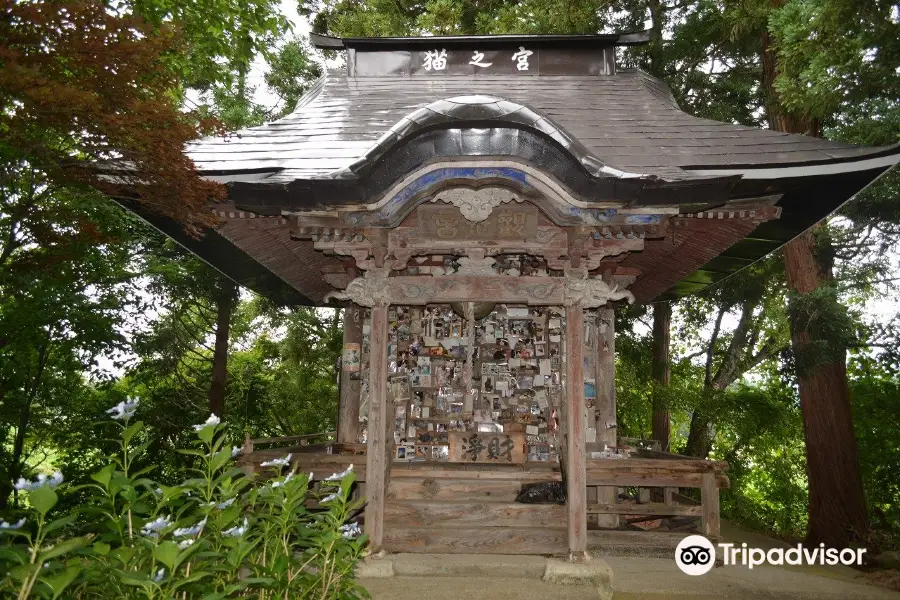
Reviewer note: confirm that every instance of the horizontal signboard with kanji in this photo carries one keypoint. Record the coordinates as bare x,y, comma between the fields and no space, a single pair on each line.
496,448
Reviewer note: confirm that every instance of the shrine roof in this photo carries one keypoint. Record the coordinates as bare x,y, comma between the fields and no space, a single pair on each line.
628,122
404,109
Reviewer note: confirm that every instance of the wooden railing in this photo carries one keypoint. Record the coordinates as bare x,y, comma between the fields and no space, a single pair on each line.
290,441
668,474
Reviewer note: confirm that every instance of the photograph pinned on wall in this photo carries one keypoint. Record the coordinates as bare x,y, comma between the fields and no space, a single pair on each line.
482,416
423,364
540,349
590,389
399,388
555,363
421,381
525,382
351,358
488,384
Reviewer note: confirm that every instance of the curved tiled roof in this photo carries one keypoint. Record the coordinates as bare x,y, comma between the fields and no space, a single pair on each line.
629,121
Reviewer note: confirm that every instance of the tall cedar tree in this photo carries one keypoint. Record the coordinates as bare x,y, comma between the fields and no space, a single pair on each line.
85,91
837,506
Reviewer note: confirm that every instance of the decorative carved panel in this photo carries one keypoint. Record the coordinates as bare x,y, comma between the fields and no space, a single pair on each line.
504,223
374,288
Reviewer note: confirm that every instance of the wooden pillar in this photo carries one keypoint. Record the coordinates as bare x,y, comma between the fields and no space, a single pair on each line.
377,443
576,490
606,401
606,376
709,498
348,411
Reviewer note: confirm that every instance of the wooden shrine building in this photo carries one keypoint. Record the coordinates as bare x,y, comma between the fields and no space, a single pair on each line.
481,204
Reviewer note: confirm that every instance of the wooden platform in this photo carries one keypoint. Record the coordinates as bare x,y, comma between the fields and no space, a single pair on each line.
453,508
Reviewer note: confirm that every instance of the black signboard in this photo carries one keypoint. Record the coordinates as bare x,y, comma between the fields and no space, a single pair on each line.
522,60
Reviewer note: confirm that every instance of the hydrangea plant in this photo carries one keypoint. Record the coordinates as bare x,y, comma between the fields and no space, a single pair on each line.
220,534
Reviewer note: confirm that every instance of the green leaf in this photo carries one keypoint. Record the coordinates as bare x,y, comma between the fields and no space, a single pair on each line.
16,555
59,523
191,452
195,576
167,554
131,431
104,475
101,548
206,434
63,548
133,580
221,459
43,499
59,582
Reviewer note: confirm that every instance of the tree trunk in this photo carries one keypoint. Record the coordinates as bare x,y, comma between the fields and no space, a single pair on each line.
661,372
837,506
15,468
655,47
700,437
224,308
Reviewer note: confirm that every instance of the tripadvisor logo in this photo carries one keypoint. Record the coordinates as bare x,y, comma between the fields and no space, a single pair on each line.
696,555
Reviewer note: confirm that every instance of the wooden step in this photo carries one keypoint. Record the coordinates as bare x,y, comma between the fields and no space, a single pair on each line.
438,513
478,540
427,488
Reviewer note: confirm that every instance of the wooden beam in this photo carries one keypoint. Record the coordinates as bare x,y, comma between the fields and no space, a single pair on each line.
604,361
651,508
689,465
606,376
576,492
377,452
515,476
476,540
348,411
472,513
621,479
709,498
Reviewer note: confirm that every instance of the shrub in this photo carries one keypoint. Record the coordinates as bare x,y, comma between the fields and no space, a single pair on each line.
220,534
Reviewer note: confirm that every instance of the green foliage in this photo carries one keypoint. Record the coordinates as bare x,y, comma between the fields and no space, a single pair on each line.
222,36
825,325
290,72
875,397
217,534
